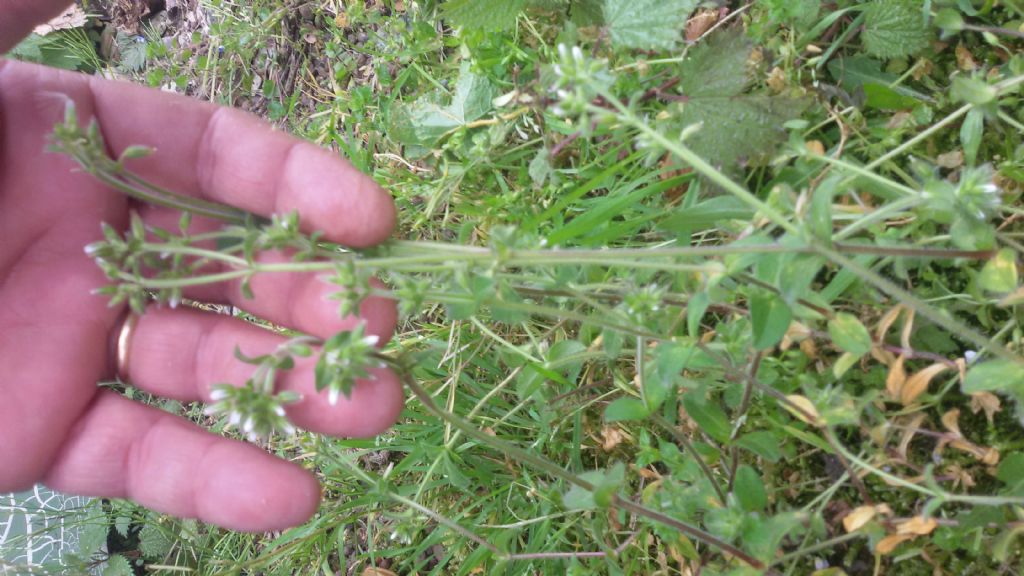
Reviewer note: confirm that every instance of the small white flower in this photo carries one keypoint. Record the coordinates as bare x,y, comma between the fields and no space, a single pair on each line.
371,340
234,418
989,188
558,70
577,54
279,411
218,394
332,396
288,429
970,355
563,51
211,410
248,426
562,93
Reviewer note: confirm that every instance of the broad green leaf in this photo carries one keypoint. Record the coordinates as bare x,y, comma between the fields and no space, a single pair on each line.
973,90
749,489
995,376
695,310
849,334
769,319
118,565
894,28
763,443
606,484
647,24
425,121
858,72
154,541
625,409
971,131
882,97
1000,273
710,213
483,14
708,415
718,67
1011,473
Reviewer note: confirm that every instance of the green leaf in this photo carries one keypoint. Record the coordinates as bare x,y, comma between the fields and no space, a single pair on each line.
1011,473
763,443
718,67
1000,273
695,310
707,214
949,20
971,132
769,319
995,376
725,125
973,90
606,484
625,409
849,334
118,565
749,489
424,122
859,72
708,415
647,24
895,28
153,541
483,14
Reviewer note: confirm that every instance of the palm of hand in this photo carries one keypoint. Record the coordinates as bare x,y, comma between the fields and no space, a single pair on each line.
56,425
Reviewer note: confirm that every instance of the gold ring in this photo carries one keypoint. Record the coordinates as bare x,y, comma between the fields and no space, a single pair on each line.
124,342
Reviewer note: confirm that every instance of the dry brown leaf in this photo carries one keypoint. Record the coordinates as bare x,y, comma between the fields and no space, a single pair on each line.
912,428
700,24
809,348
858,517
908,329
988,402
73,17
960,476
918,383
815,147
896,378
807,412
917,526
964,58
886,322
777,82
374,571
611,437
889,543
950,160
951,420
882,356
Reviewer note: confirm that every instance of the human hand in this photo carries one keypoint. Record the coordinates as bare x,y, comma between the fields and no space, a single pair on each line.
56,425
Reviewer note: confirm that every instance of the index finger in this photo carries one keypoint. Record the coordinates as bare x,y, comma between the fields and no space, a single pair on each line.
221,154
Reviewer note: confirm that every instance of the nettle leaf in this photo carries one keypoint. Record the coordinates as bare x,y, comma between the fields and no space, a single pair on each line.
483,14
647,24
735,126
118,565
895,28
424,122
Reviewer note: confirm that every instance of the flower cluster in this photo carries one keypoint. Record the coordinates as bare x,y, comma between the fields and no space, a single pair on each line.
579,81
256,413
346,357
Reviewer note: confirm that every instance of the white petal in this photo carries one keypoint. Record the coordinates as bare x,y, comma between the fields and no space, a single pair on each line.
247,427
577,53
332,396
235,418
371,340
279,411
218,394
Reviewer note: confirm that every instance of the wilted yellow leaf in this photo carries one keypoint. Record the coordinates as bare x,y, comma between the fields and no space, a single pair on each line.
896,378
858,517
611,437
373,571
918,383
889,543
909,431
917,526
886,322
986,401
1013,298
803,409
951,420
908,328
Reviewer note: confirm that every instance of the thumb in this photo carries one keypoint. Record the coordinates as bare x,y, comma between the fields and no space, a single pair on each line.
18,17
